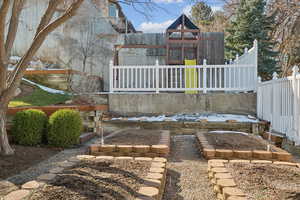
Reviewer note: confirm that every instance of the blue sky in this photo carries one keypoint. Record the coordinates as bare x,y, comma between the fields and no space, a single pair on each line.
161,18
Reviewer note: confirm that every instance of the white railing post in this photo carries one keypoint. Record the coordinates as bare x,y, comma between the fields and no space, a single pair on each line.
111,76
259,103
274,99
296,104
204,76
157,76
255,46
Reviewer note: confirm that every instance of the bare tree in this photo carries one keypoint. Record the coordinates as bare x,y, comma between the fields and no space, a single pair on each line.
10,81
287,32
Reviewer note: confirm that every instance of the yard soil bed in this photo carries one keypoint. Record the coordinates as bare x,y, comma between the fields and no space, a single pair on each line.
267,182
135,137
23,158
235,141
119,179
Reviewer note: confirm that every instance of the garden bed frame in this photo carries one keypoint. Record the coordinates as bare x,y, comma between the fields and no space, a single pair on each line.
155,180
156,150
209,152
222,180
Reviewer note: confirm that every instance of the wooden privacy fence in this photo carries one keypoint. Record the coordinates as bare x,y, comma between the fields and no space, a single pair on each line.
238,75
278,101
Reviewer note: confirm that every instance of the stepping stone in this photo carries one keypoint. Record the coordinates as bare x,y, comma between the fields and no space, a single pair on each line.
6,187
31,185
149,191
17,195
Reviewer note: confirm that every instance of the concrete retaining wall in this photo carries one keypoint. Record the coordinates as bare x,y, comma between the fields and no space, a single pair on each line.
172,103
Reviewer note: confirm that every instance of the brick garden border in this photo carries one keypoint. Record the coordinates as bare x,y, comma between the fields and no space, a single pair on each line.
209,152
222,181
161,149
155,180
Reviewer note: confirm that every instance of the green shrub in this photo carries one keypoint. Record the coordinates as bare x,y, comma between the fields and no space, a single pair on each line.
65,127
29,127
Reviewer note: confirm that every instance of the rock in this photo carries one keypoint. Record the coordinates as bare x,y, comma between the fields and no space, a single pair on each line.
31,185
69,102
17,92
17,195
6,187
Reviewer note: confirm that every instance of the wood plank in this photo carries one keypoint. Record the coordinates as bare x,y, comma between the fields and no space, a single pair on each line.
144,46
51,109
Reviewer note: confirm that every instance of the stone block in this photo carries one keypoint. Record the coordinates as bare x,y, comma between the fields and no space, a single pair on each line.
107,148
160,149
124,148
232,191
242,154
261,161
157,176
209,153
262,155
141,148
282,156
149,192
224,153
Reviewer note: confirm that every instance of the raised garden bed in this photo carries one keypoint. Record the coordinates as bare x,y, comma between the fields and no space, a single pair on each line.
228,145
254,180
103,177
266,181
134,142
23,158
187,127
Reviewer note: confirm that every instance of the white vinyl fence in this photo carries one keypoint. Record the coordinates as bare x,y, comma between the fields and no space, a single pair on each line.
278,101
238,75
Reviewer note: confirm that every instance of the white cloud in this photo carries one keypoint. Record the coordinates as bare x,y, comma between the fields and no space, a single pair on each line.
216,8
168,1
187,10
151,27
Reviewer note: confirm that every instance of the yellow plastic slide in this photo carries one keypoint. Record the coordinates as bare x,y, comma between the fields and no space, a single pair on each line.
191,77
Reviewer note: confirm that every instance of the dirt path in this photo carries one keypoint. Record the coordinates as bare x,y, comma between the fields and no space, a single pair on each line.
187,172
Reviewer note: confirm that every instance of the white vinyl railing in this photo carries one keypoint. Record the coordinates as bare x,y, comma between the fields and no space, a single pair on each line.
238,75
278,101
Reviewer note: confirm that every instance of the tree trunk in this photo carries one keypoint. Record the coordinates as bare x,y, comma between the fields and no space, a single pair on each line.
5,148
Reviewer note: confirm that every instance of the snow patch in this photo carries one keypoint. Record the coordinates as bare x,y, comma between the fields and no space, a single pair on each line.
211,117
47,89
224,132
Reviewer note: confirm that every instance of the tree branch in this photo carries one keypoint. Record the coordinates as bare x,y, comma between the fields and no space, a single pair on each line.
48,15
3,61
13,25
3,13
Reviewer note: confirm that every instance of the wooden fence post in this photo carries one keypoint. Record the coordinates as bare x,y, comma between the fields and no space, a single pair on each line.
157,76
295,105
204,76
111,76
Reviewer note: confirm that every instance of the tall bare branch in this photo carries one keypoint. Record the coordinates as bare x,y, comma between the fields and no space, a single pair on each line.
48,15
13,25
37,42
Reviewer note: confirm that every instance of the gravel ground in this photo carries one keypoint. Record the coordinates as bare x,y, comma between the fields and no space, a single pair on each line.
44,166
187,172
